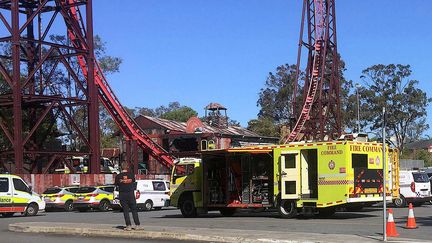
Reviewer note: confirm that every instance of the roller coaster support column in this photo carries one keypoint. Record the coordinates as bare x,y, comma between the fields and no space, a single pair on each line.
93,95
16,89
135,156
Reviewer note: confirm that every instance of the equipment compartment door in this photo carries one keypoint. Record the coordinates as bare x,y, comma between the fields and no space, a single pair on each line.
290,175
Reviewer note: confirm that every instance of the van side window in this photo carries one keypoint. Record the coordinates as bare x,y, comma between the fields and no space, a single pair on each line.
4,184
159,186
19,185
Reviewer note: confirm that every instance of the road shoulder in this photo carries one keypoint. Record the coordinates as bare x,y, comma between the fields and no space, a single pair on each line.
186,234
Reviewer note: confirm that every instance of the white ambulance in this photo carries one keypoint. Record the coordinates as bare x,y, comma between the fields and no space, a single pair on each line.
17,197
149,194
415,188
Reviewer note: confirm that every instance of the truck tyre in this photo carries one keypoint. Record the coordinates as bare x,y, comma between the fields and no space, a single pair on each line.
287,209
31,209
148,205
104,205
68,207
187,208
399,202
228,212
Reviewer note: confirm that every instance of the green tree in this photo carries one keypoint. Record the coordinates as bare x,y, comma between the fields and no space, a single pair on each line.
181,114
264,126
274,99
390,86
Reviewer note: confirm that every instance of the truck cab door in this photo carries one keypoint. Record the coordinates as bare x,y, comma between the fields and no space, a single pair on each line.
289,172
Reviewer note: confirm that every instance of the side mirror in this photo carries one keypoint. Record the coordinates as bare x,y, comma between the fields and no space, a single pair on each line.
30,189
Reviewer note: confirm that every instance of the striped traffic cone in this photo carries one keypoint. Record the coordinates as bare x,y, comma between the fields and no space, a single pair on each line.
391,226
411,223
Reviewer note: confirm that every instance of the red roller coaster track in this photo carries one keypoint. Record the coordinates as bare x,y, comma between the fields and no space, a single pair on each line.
106,95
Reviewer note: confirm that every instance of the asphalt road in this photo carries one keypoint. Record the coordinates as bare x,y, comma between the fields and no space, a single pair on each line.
367,222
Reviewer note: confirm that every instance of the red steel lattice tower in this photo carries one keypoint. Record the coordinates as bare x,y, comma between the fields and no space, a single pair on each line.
320,116
42,89
50,86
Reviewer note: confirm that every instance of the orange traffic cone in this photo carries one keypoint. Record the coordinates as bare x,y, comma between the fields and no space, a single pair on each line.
411,223
391,226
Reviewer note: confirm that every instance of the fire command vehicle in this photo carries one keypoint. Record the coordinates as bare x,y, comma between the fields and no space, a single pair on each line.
303,177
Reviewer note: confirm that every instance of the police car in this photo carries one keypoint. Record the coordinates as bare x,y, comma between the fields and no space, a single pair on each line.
17,197
59,197
94,197
149,194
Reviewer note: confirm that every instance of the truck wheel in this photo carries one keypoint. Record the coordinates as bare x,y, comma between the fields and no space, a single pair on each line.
228,212
68,207
32,209
187,208
287,209
399,202
104,205
148,205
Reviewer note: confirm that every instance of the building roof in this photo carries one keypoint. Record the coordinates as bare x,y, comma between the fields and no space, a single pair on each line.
181,127
422,144
215,106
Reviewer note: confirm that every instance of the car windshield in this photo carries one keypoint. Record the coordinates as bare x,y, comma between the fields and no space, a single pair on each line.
420,177
73,189
85,189
52,190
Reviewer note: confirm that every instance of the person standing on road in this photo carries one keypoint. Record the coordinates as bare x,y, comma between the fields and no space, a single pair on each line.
125,181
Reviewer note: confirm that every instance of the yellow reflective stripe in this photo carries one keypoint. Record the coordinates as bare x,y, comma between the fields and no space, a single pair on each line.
20,200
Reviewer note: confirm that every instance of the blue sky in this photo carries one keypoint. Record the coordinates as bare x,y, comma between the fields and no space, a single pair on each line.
196,51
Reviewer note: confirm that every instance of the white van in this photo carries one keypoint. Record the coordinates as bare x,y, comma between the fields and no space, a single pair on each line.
17,197
415,188
150,194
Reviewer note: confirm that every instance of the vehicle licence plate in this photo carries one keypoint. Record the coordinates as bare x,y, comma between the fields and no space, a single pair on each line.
371,190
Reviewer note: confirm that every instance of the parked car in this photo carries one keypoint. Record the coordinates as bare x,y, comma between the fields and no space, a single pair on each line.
415,188
17,197
149,194
94,197
60,198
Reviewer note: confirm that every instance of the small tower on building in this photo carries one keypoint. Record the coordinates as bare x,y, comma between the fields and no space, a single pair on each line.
216,115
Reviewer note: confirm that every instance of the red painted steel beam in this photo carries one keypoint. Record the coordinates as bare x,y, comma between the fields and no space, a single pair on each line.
16,78
93,94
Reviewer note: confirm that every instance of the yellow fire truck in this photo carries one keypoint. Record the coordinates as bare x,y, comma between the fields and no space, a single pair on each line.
313,178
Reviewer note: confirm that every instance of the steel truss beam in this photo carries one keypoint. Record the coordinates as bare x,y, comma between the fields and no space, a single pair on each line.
44,87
